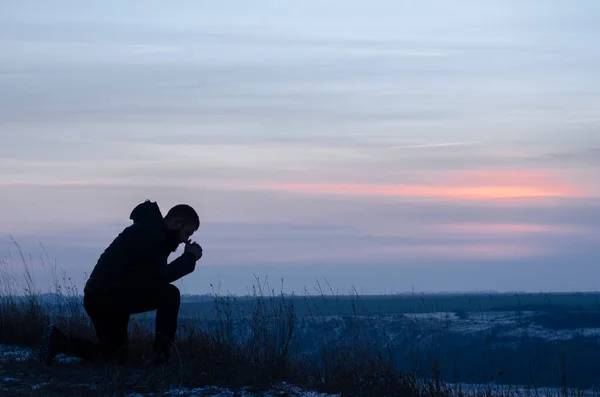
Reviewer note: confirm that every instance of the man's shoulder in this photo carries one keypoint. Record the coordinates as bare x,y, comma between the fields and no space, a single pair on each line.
143,233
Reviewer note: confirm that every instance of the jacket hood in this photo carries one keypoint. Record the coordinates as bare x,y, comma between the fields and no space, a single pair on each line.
146,212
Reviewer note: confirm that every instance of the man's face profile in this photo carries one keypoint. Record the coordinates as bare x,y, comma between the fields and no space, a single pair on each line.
186,231
182,230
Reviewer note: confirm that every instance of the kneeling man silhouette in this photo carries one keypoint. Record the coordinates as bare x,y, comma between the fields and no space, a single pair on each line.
132,276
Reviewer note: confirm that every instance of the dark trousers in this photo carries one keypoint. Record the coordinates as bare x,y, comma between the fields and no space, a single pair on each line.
110,314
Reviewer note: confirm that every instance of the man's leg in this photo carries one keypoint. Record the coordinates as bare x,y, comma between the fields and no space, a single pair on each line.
111,330
110,316
166,301
58,342
167,315
110,322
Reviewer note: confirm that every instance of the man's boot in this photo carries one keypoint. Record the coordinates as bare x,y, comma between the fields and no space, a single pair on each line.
123,355
162,351
55,342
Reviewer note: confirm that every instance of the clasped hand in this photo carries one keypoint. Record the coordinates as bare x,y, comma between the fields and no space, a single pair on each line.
194,248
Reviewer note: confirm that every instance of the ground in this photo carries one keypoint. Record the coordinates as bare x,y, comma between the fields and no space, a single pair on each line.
22,375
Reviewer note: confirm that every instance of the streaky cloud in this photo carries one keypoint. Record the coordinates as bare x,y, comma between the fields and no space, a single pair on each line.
433,145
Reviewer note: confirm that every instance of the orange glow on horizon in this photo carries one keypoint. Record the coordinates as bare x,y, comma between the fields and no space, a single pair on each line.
484,192
448,184
469,251
509,228
454,184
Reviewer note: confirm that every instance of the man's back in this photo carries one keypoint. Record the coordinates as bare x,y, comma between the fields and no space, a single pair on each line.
137,255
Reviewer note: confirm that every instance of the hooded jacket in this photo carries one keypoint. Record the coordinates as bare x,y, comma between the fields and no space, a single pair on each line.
137,257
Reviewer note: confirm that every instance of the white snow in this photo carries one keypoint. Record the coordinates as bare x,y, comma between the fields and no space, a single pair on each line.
438,316
20,354
517,390
39,386
14,353
282,389
537,331
474,322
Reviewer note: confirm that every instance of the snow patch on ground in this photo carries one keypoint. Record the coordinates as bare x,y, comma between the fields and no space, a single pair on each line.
9,353
437,316
472,323
537,331
14,353
516,390
468,322
281,390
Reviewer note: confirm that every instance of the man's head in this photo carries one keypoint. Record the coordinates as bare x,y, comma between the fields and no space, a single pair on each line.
183,221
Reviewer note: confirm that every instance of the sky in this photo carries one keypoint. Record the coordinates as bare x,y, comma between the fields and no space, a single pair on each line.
384,146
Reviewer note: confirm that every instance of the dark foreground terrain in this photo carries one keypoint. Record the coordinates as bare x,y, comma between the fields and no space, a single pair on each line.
411,344
408,345
22,375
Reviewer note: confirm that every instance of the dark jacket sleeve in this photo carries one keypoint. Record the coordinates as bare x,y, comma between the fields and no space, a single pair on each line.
177,269
156,267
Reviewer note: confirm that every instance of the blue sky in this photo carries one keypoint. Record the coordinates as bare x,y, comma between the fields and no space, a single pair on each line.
383,145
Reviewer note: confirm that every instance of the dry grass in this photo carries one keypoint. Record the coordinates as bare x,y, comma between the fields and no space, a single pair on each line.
257,354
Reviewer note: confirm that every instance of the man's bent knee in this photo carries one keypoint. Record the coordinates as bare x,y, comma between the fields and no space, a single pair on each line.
172,295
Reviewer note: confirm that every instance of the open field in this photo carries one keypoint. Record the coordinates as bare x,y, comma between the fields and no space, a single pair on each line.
416,344
510,338
534,340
